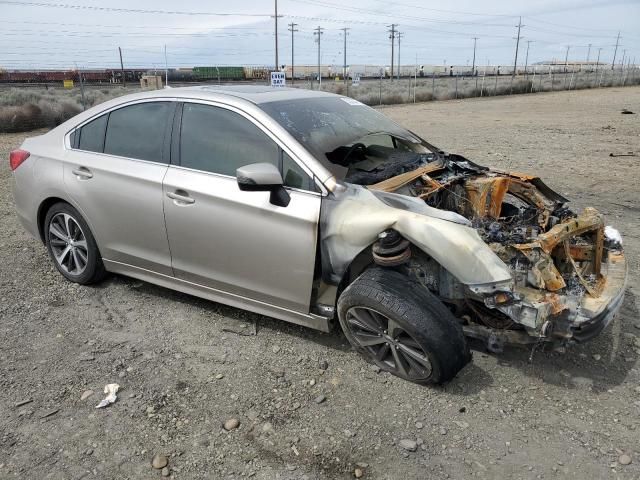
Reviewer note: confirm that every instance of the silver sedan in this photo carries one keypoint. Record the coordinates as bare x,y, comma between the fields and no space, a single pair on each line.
312,207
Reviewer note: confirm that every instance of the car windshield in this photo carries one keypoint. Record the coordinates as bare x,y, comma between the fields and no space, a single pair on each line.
349,138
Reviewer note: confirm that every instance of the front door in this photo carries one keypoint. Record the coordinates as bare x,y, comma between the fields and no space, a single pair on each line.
233,241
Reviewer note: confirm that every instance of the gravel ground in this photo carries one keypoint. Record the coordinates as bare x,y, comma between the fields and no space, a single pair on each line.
308,406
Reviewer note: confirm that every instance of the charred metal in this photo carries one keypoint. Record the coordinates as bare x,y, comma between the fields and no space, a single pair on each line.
557,276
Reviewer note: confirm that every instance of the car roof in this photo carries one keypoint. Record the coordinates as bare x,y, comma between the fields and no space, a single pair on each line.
256,94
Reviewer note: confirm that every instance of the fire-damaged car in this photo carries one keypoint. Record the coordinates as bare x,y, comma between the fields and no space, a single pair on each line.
312,207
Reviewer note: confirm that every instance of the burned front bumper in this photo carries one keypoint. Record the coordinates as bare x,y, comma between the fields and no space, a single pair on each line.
566,318
596,313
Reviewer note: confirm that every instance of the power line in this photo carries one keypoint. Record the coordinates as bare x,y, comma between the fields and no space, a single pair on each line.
129,10
385,13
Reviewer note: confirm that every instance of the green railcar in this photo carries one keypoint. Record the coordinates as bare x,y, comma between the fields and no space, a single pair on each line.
222,73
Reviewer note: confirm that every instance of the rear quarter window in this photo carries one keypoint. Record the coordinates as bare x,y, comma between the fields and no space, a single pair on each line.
91,135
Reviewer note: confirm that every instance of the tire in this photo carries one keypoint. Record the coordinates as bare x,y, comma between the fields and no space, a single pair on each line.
71,245
389,318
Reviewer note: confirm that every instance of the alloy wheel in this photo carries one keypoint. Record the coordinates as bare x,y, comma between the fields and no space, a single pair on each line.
68,243
388,344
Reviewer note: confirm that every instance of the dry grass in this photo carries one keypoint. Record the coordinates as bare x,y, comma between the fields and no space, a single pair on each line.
25,109
386,92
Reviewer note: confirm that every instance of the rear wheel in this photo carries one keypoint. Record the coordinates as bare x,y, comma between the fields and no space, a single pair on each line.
401,327
71,245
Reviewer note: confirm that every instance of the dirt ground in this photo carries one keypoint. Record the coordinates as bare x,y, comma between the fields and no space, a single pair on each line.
183,371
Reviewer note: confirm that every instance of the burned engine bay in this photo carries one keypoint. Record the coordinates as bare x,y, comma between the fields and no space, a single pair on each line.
568,270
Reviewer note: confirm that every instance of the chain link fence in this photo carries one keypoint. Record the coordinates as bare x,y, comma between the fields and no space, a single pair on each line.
45,103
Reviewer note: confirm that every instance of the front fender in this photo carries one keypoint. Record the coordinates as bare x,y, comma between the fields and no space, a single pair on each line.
352,218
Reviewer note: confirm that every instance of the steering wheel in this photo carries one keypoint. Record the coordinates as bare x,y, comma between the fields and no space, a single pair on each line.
356,146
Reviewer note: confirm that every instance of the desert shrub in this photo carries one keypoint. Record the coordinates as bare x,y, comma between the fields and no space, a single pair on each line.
20,119
391,99
31,116
444,95
424,97
370,100
24,109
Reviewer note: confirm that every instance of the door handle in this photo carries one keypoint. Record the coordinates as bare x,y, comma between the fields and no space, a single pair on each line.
182,197
82,172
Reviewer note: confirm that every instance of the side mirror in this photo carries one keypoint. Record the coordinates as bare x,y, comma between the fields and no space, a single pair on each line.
263,177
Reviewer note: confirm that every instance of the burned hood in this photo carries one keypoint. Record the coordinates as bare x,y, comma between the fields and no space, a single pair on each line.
353,217
412,204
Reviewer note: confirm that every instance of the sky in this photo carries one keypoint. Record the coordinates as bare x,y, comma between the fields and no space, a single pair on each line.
54,34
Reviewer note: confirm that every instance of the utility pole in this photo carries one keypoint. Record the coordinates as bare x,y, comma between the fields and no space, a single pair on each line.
473,66
598,63
566,61
344,52
166,67
318,32
515,61
84,106
613,62
276,21
588,53
124,80
392,36
526,58
292,29
399,37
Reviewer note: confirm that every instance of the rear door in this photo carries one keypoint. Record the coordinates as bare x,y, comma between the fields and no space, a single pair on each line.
114,173
237,242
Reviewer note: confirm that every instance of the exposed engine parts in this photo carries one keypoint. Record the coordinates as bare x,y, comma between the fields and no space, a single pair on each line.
555,255
391,249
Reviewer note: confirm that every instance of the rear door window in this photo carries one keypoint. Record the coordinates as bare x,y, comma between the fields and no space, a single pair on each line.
138,131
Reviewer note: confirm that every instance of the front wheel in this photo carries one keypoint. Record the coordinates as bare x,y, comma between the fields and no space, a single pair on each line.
401,327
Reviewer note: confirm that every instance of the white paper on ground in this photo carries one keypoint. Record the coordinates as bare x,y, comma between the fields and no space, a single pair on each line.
110,389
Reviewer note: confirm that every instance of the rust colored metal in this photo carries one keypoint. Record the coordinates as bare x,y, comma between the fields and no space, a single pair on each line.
394,183
587,221
544,272
599,247
555,303
486,195
392,260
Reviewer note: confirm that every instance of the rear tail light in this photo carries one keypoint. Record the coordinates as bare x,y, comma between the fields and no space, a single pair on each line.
17,157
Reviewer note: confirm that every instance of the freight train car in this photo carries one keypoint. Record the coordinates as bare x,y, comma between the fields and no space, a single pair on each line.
218,73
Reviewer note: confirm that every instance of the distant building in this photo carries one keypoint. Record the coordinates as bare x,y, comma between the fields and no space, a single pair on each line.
151,82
